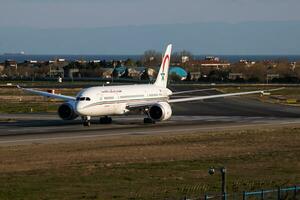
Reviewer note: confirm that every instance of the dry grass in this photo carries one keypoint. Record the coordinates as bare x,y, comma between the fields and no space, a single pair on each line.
143,167
130,149
13,100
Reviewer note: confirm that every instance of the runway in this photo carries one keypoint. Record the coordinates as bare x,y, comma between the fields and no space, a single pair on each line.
236,113
15,133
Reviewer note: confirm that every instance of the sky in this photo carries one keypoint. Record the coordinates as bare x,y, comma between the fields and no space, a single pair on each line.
82,15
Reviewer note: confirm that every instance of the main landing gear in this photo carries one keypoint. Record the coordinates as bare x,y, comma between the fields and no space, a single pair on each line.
86,120
105,120
148,121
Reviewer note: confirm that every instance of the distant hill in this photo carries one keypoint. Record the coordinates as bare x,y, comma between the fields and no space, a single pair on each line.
199,38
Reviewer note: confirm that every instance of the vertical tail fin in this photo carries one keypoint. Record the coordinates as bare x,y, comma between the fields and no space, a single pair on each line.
162,76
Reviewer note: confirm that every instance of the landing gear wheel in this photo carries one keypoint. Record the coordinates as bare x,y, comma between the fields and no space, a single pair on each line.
87,123
105,120
148,121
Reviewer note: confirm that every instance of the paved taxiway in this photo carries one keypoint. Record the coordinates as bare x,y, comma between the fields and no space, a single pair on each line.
209,115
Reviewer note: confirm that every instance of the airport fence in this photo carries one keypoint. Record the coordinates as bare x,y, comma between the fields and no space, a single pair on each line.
289,193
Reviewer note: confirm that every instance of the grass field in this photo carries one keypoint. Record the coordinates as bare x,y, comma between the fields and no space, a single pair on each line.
28,107
151,167
13,100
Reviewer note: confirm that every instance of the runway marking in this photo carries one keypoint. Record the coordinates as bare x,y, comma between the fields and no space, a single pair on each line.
142,132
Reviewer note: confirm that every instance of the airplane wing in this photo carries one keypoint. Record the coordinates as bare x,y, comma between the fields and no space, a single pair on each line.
212,96
141,105
192,91
146,104
47,94
220,95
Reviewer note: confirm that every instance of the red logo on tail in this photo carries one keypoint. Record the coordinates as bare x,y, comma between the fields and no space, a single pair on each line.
167,57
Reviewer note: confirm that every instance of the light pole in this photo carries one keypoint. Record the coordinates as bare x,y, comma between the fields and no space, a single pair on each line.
222,170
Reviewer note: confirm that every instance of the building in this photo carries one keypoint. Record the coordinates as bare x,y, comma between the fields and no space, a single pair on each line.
57,64
235,76
61,60
1,68
11,64
212,58
213,62
136,72
270,77
95,61
247,62
293,65
56,72
141,73
185,59
108,72
73,72
31,61
120,72
80,61
195,75
179,71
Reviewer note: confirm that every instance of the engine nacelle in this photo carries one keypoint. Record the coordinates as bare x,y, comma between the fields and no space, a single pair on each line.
160,111
66,111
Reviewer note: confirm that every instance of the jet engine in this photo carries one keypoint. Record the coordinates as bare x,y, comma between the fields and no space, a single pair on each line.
160,111
66,111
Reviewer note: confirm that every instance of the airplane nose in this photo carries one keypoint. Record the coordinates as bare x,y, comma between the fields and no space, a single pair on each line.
79,108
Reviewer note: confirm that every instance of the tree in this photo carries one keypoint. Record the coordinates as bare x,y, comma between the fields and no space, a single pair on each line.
138,63
174,77
129,63
145,75
284,69
151,58
177,56
258,71
188,77
218,75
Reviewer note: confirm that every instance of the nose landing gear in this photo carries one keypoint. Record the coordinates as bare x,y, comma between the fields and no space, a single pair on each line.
86,120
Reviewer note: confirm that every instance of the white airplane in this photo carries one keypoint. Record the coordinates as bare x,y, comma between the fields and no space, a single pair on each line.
105,101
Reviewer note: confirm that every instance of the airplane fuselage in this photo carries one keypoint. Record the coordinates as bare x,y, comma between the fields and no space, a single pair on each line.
114,100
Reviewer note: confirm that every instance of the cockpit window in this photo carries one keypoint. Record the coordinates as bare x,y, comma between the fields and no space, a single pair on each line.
83,99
